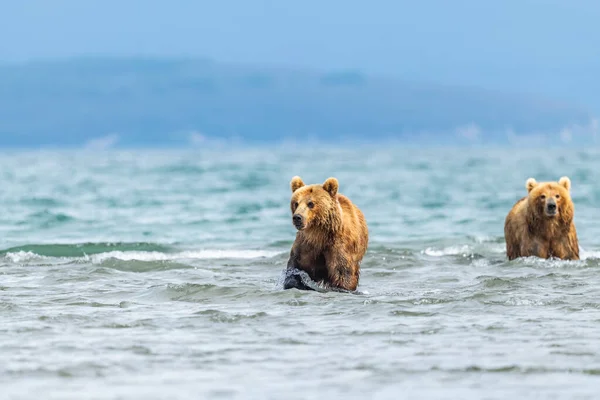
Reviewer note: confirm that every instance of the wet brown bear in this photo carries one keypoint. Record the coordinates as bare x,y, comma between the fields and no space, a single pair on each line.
541,224
332,237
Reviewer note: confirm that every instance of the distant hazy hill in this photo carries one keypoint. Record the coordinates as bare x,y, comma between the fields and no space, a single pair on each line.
170,102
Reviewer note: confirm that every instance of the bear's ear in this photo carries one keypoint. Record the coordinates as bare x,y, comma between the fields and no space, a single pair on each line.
565,182
331,186
530,184
296,183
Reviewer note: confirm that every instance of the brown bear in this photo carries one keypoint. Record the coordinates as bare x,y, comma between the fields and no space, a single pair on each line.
332,237
541,224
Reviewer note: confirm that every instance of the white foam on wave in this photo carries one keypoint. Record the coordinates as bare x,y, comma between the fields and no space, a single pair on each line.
21,257
448,251
585,255
184,255
483,239
462,250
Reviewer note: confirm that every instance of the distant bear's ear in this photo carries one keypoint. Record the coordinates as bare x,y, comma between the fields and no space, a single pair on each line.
331,186
530,184
296,183
565,182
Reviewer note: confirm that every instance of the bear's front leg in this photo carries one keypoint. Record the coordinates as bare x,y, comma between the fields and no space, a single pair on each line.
341,273
565,249
535,248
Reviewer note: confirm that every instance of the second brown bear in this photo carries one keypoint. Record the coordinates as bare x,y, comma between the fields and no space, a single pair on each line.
541,224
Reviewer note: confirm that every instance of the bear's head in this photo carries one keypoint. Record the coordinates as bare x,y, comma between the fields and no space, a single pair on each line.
314,205
551,199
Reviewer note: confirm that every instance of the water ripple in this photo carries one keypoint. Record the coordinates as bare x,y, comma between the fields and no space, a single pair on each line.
159,272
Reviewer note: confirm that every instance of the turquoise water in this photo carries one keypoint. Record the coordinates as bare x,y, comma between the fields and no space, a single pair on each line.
148,274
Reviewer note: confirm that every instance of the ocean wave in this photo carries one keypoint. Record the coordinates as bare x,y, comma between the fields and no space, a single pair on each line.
96,255
448,251
588,255
83,249
184,255
21,257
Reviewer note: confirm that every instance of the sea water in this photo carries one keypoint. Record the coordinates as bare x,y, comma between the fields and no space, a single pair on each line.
157,275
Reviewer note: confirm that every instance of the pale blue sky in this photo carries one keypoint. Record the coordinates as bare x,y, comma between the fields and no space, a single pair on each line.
379,35
513,44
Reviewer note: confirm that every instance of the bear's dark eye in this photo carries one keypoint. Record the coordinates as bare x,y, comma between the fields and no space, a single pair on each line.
295,204
558,196
311,204
543,197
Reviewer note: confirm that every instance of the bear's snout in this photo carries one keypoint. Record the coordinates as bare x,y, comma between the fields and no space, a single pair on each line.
298,221
551,208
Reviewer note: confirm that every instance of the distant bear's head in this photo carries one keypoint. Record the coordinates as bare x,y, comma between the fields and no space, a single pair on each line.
551,199
313,205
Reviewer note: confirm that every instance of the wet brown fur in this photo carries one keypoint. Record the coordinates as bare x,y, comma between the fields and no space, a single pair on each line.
334,240
528,231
